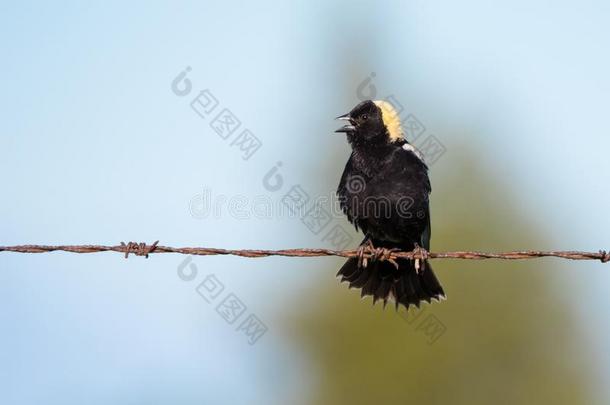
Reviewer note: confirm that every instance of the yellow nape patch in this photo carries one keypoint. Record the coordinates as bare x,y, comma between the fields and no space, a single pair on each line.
390,118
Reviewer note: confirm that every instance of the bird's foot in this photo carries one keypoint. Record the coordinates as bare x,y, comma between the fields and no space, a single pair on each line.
419,253
363,253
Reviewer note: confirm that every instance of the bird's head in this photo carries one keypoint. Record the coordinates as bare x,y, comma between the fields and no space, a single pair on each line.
372,122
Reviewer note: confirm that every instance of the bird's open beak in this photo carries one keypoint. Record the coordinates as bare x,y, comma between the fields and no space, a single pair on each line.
346,128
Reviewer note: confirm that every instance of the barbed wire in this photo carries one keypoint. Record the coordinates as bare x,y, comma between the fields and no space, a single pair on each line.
143,249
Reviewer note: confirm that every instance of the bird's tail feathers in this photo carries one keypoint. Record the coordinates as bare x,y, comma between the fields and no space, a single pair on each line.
383,281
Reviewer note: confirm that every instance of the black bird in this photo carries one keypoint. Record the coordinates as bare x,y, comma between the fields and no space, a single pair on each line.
384,190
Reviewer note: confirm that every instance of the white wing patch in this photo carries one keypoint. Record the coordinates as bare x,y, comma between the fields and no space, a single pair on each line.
410,148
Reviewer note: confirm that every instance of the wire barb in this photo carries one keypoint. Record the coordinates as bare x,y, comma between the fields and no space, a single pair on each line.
384,254
139,249
605,256
363,253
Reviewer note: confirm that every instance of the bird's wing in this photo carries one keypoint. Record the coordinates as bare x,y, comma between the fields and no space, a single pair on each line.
425,236
411,179
343,191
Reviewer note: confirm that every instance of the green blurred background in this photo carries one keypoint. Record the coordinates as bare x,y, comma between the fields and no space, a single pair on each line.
507,334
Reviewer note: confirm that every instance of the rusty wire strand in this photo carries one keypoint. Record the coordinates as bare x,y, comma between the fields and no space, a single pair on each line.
142,249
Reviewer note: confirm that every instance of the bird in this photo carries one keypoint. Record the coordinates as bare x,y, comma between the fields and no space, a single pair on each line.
384,191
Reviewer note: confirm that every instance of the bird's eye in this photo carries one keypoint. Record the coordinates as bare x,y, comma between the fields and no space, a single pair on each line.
365,117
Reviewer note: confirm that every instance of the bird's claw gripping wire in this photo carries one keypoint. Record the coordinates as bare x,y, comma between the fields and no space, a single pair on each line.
139,249
419,253
605,256
362,252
